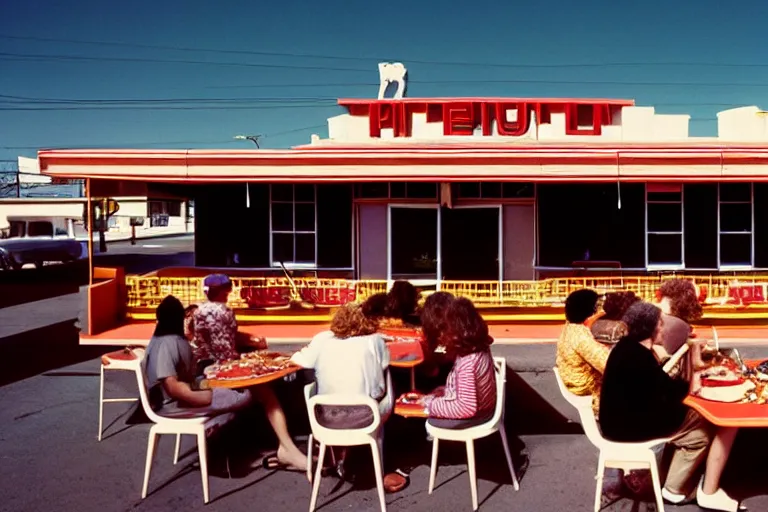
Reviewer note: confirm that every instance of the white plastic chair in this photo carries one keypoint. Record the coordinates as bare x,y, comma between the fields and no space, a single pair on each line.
127,359
372,435
468,435
625,456
197,425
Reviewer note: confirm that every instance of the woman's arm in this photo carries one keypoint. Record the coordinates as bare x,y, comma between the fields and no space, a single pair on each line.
461,401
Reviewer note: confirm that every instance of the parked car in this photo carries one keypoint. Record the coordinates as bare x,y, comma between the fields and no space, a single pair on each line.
39,240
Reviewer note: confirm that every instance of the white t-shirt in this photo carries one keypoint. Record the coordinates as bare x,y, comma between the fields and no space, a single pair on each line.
348,366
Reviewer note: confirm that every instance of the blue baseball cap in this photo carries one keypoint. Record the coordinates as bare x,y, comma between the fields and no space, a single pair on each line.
215,281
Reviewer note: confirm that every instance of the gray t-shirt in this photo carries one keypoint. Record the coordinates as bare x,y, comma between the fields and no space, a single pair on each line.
167,356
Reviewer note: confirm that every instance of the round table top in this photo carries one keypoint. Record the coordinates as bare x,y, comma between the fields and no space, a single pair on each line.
252,381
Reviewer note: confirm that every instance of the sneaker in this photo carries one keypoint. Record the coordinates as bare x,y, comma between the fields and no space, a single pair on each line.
671,497
717,501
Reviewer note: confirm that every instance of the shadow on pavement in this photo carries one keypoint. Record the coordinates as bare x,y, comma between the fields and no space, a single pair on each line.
42,350
747,472
529,413
33,284
250,437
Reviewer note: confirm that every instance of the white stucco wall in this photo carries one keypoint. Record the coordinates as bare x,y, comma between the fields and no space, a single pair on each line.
745,124
73,208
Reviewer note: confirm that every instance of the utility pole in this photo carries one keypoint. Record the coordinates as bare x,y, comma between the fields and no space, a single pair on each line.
252,138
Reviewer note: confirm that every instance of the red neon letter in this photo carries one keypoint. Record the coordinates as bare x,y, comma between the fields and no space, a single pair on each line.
512,128
458,119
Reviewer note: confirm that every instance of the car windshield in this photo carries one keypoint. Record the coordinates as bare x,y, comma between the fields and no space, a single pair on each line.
17,230
40,228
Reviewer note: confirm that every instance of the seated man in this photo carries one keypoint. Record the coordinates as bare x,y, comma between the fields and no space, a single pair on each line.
214,326
640,402
170,370
580,359
217,339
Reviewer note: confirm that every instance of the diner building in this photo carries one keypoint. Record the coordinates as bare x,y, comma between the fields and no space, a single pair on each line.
511,201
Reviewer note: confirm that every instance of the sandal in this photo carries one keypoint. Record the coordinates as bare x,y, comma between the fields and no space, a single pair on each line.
271,463
396,481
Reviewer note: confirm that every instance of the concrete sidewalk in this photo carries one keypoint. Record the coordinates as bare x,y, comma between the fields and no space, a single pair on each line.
141,234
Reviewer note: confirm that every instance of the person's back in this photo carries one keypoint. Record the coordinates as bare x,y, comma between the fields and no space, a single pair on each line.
166,356
469,395
475,372
215,331
350,359
638,401
350,365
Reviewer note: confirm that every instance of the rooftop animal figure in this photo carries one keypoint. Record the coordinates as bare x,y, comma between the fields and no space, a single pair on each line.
392,72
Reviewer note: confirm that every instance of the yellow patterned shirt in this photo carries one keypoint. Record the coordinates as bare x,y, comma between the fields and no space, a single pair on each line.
581,361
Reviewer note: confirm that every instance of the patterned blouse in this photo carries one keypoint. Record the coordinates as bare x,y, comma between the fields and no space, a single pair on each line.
215,329
581,361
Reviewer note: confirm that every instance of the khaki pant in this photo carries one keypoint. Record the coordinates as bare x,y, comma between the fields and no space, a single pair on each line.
691,443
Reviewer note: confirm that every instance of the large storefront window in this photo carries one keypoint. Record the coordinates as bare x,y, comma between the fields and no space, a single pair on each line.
664,225
413,243
735,231
470,243
583,223
293,223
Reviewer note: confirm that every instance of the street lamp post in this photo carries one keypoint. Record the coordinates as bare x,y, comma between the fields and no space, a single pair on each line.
252,138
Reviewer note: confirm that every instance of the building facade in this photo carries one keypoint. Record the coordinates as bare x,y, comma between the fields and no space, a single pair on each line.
512,201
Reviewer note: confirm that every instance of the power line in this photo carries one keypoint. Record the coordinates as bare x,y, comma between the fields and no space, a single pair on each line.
36,100
4,108
38,57
371,58
43,57
312,100
155,143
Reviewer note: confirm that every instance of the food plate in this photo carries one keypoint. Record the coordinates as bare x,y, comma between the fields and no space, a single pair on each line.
727,393
250,366
412,398
724,374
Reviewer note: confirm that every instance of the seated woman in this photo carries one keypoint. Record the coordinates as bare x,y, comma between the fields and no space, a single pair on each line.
640,402
433,324
375,306
349,359
681,307
609,328
469,396
677,297
580,359
402,306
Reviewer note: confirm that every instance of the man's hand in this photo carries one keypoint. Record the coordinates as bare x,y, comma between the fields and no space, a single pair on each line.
260,343
695,383
247,342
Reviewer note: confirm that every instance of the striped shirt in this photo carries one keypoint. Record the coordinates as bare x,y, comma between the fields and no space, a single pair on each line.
470,390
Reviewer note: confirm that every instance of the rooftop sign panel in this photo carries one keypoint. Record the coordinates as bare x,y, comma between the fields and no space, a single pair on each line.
505,117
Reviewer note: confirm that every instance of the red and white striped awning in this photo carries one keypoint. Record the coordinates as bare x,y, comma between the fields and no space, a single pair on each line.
445,163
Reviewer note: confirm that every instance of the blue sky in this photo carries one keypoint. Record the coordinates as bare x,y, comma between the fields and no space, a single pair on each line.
358,34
